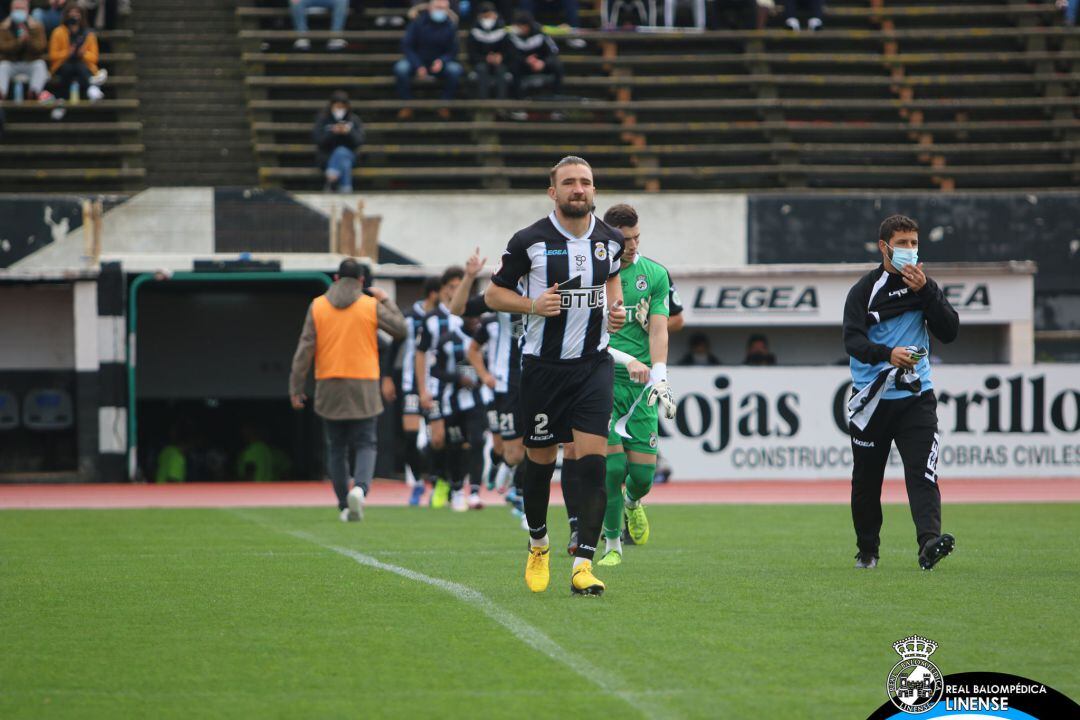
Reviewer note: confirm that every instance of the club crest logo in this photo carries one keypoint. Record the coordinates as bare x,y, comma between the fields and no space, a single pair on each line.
652,440
642,284
675,297
600,252
915,685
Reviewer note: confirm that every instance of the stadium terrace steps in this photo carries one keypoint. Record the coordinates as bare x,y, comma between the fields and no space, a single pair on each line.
913,96
193,109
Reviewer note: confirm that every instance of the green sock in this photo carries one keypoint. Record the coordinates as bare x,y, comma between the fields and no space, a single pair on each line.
616,471
639,481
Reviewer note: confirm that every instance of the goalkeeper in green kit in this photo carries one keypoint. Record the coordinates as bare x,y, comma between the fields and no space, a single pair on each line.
632,436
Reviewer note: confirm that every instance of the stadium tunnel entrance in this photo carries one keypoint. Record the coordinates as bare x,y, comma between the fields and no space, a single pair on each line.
208,376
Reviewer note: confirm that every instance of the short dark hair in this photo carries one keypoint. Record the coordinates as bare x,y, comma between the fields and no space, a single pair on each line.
568,160
523,17
698,339
757,337
486,7
894,224
340,96
454,272
349,268
621,216
431,285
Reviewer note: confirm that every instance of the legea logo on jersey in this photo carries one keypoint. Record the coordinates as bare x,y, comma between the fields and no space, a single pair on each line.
556,252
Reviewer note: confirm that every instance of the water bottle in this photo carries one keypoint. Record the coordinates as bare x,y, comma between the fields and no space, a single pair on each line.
73,94
18,94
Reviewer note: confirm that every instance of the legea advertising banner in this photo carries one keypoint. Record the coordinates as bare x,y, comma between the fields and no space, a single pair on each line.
790,423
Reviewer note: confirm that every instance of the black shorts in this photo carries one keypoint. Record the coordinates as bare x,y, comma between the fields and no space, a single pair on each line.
411,406
466,426
508,414
560,396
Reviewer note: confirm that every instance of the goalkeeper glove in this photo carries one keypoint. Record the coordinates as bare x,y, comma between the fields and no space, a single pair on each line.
660,391
641,313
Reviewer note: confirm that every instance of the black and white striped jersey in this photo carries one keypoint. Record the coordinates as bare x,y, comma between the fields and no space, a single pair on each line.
500,336
452,368
414,323
437,322
545,253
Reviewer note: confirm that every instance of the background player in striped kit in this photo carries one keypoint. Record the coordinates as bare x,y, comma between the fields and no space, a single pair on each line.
463,400
429,388
567,263
633,439
410,410
499,367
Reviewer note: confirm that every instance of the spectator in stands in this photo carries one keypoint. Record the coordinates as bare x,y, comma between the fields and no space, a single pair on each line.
812,9
757,351
50,13
569,10
172,460
535,63
338,9
699,354
1071,7
430,47
489,54
256,461
338,134
73,57
22,51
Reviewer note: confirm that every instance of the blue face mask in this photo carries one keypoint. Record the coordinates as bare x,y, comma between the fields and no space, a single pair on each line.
902,257
18,16
438,15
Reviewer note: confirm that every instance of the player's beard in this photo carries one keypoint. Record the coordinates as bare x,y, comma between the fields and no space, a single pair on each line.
571,210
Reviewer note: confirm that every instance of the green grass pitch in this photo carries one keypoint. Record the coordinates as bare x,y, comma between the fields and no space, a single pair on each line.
730,611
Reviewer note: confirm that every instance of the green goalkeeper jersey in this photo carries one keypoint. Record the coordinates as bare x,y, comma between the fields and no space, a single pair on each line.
648,280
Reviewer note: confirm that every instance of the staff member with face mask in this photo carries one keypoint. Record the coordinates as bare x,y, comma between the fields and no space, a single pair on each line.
888,316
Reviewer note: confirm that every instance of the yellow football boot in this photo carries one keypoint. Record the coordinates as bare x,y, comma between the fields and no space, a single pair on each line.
538,568
583,582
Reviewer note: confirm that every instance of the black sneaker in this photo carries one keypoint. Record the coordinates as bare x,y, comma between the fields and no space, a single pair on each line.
571,547
865,560
935,549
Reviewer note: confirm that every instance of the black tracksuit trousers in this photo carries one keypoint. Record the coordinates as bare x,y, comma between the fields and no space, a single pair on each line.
912,423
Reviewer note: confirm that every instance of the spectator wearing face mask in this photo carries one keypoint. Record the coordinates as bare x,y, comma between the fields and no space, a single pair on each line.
73,57
22,51
535,64
489,52
338,134
699,353
430,47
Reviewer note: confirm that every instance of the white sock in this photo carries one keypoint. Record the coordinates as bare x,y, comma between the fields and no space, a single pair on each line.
533,542
613,544
579,561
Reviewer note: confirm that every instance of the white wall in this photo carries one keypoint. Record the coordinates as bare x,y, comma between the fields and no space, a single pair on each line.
37,327
678,230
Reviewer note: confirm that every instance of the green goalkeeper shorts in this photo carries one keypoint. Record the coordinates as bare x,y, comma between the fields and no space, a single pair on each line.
642,423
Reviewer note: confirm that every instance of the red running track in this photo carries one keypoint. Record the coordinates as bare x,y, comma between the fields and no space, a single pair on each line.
388,493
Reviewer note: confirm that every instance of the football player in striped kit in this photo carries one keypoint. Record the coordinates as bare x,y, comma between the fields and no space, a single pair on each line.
568,265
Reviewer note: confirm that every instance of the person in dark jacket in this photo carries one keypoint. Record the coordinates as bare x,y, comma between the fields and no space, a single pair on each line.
338,134
489,54
430,47
889,316
535,64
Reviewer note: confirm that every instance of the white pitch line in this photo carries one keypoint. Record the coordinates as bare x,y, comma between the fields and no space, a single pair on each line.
528,634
